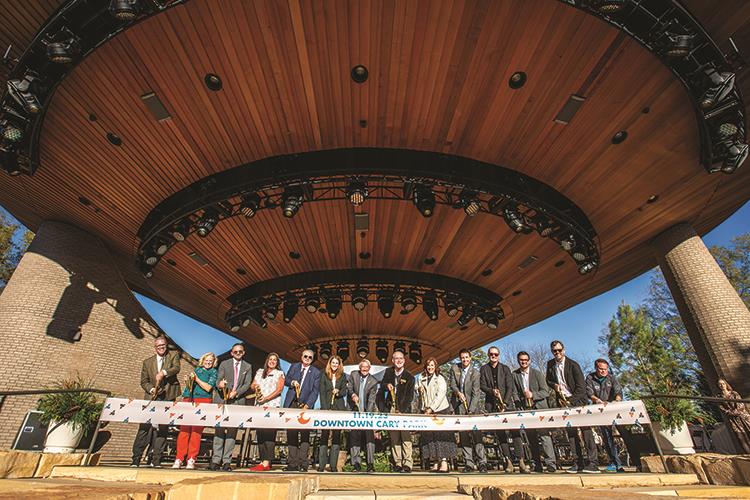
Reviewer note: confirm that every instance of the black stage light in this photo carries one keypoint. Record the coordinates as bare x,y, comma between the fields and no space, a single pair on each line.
245,320
385,304
11,134
678,45
124,10
162,245
424,200
235,324
271,310
359,300
579,254
607,6
381,350
478,317
736,155
514,220
292,200
466,316
257,316
249,205
450,304
356,191
399,346
491,320
325,351
9,162
181,230
567,242
342,350
408,301
20,91
415,353
545,228
721,85
430,305
63,47
207,222
312,302
586,267
333,304
291,305
470,203
147,271
363,348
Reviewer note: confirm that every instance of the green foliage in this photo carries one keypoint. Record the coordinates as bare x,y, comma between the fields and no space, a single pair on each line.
82,409
11,247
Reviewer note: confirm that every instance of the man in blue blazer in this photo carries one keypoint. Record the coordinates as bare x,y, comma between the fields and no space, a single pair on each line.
304,377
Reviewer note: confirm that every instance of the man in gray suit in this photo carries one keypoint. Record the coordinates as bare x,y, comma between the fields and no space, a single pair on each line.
363,389
531,393
234,379
463,381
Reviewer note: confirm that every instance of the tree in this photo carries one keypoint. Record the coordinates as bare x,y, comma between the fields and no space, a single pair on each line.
11,247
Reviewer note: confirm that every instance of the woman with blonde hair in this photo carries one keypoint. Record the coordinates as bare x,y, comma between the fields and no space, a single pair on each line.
198,388
267,385
332,397
438,447
736,415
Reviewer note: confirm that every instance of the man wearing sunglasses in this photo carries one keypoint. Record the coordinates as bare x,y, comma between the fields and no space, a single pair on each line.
304,378
234,379
565,377
496,382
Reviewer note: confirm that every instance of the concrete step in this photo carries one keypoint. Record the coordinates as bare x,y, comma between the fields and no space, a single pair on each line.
697,491
401,494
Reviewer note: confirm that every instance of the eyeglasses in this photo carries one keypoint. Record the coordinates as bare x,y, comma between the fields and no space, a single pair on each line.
557,350
238,352
161,346
523,360
494,354
306,356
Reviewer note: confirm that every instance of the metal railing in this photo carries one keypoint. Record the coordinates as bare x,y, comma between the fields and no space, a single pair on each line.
35,392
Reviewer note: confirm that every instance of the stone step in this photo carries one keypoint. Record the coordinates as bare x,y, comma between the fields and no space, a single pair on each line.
400,494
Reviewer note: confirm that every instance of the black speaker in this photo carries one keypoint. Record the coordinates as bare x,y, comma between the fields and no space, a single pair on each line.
31,435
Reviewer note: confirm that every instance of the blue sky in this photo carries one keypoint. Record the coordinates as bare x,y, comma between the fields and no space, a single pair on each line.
578,327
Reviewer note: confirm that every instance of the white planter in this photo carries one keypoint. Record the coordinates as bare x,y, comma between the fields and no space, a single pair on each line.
677,442
62,438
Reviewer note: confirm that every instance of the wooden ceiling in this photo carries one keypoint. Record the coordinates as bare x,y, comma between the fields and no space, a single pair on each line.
438,81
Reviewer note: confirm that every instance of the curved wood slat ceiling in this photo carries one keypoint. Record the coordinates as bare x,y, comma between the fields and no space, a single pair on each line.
438,81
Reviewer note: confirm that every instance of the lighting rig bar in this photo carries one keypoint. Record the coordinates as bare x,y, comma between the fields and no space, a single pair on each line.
671,33
324,348
326,291
75,30
424,178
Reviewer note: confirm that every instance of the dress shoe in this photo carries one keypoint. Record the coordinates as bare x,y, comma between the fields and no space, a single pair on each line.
226,468
522,467
551,469
483,468
303,468
396,468
357,468
214,466
370,468
291,468
405,470
468,469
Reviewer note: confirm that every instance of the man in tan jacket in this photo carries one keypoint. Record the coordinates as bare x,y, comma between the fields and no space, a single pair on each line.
159,382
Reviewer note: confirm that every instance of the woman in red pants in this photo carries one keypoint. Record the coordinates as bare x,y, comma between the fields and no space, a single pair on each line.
198,389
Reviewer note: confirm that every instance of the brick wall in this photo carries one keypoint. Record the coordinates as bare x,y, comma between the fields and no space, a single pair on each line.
66,283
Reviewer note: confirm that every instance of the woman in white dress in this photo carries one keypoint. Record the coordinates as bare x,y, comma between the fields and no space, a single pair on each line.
268,382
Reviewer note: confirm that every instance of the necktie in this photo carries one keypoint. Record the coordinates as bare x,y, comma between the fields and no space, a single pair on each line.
236,375
463,379
362,383
302,377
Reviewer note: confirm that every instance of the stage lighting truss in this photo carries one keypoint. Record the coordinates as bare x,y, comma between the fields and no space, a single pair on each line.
382,347
75,29
328,292
670,32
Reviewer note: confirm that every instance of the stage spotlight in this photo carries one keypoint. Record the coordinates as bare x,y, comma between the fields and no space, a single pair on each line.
9,162
257,316
63,47
181,230
271,310
151,259
466,316
469,201
381,351
514,220
415,353
479,317
207,222
245,321
399,346
678,45
11,134
608,6
567,242
292,200
408,301
736,155
333,304
545,228
124,10
491,320
579,255
356,191
147,271
342,350
20,91
359,300
586,267
450,304
235,324
721,85
291,305
424,200
325,351
312,302
385,304
430,305
249,205
363,348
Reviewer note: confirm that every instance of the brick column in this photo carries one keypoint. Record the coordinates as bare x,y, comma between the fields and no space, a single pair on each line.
67,311
716,319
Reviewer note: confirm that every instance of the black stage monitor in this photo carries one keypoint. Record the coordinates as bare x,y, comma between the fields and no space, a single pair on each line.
31,434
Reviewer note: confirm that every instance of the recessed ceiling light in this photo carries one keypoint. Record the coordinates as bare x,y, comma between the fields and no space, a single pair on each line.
517,80
620,137
241,271
364,255
486,272
171,262
212,291
213,82
429,261
652,198
516,293
114,139
360,74
294,255
559,263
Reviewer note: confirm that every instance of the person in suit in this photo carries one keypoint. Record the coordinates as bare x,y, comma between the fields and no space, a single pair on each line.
305,378
465,394
234,378
531,393
159,382
437,446
362,388
496,382
332,397
395,396
565,377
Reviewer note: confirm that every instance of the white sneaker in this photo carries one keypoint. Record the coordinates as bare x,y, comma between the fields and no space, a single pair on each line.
190,463
177,464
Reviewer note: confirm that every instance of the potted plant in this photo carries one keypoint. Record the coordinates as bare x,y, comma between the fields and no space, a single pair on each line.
69,416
